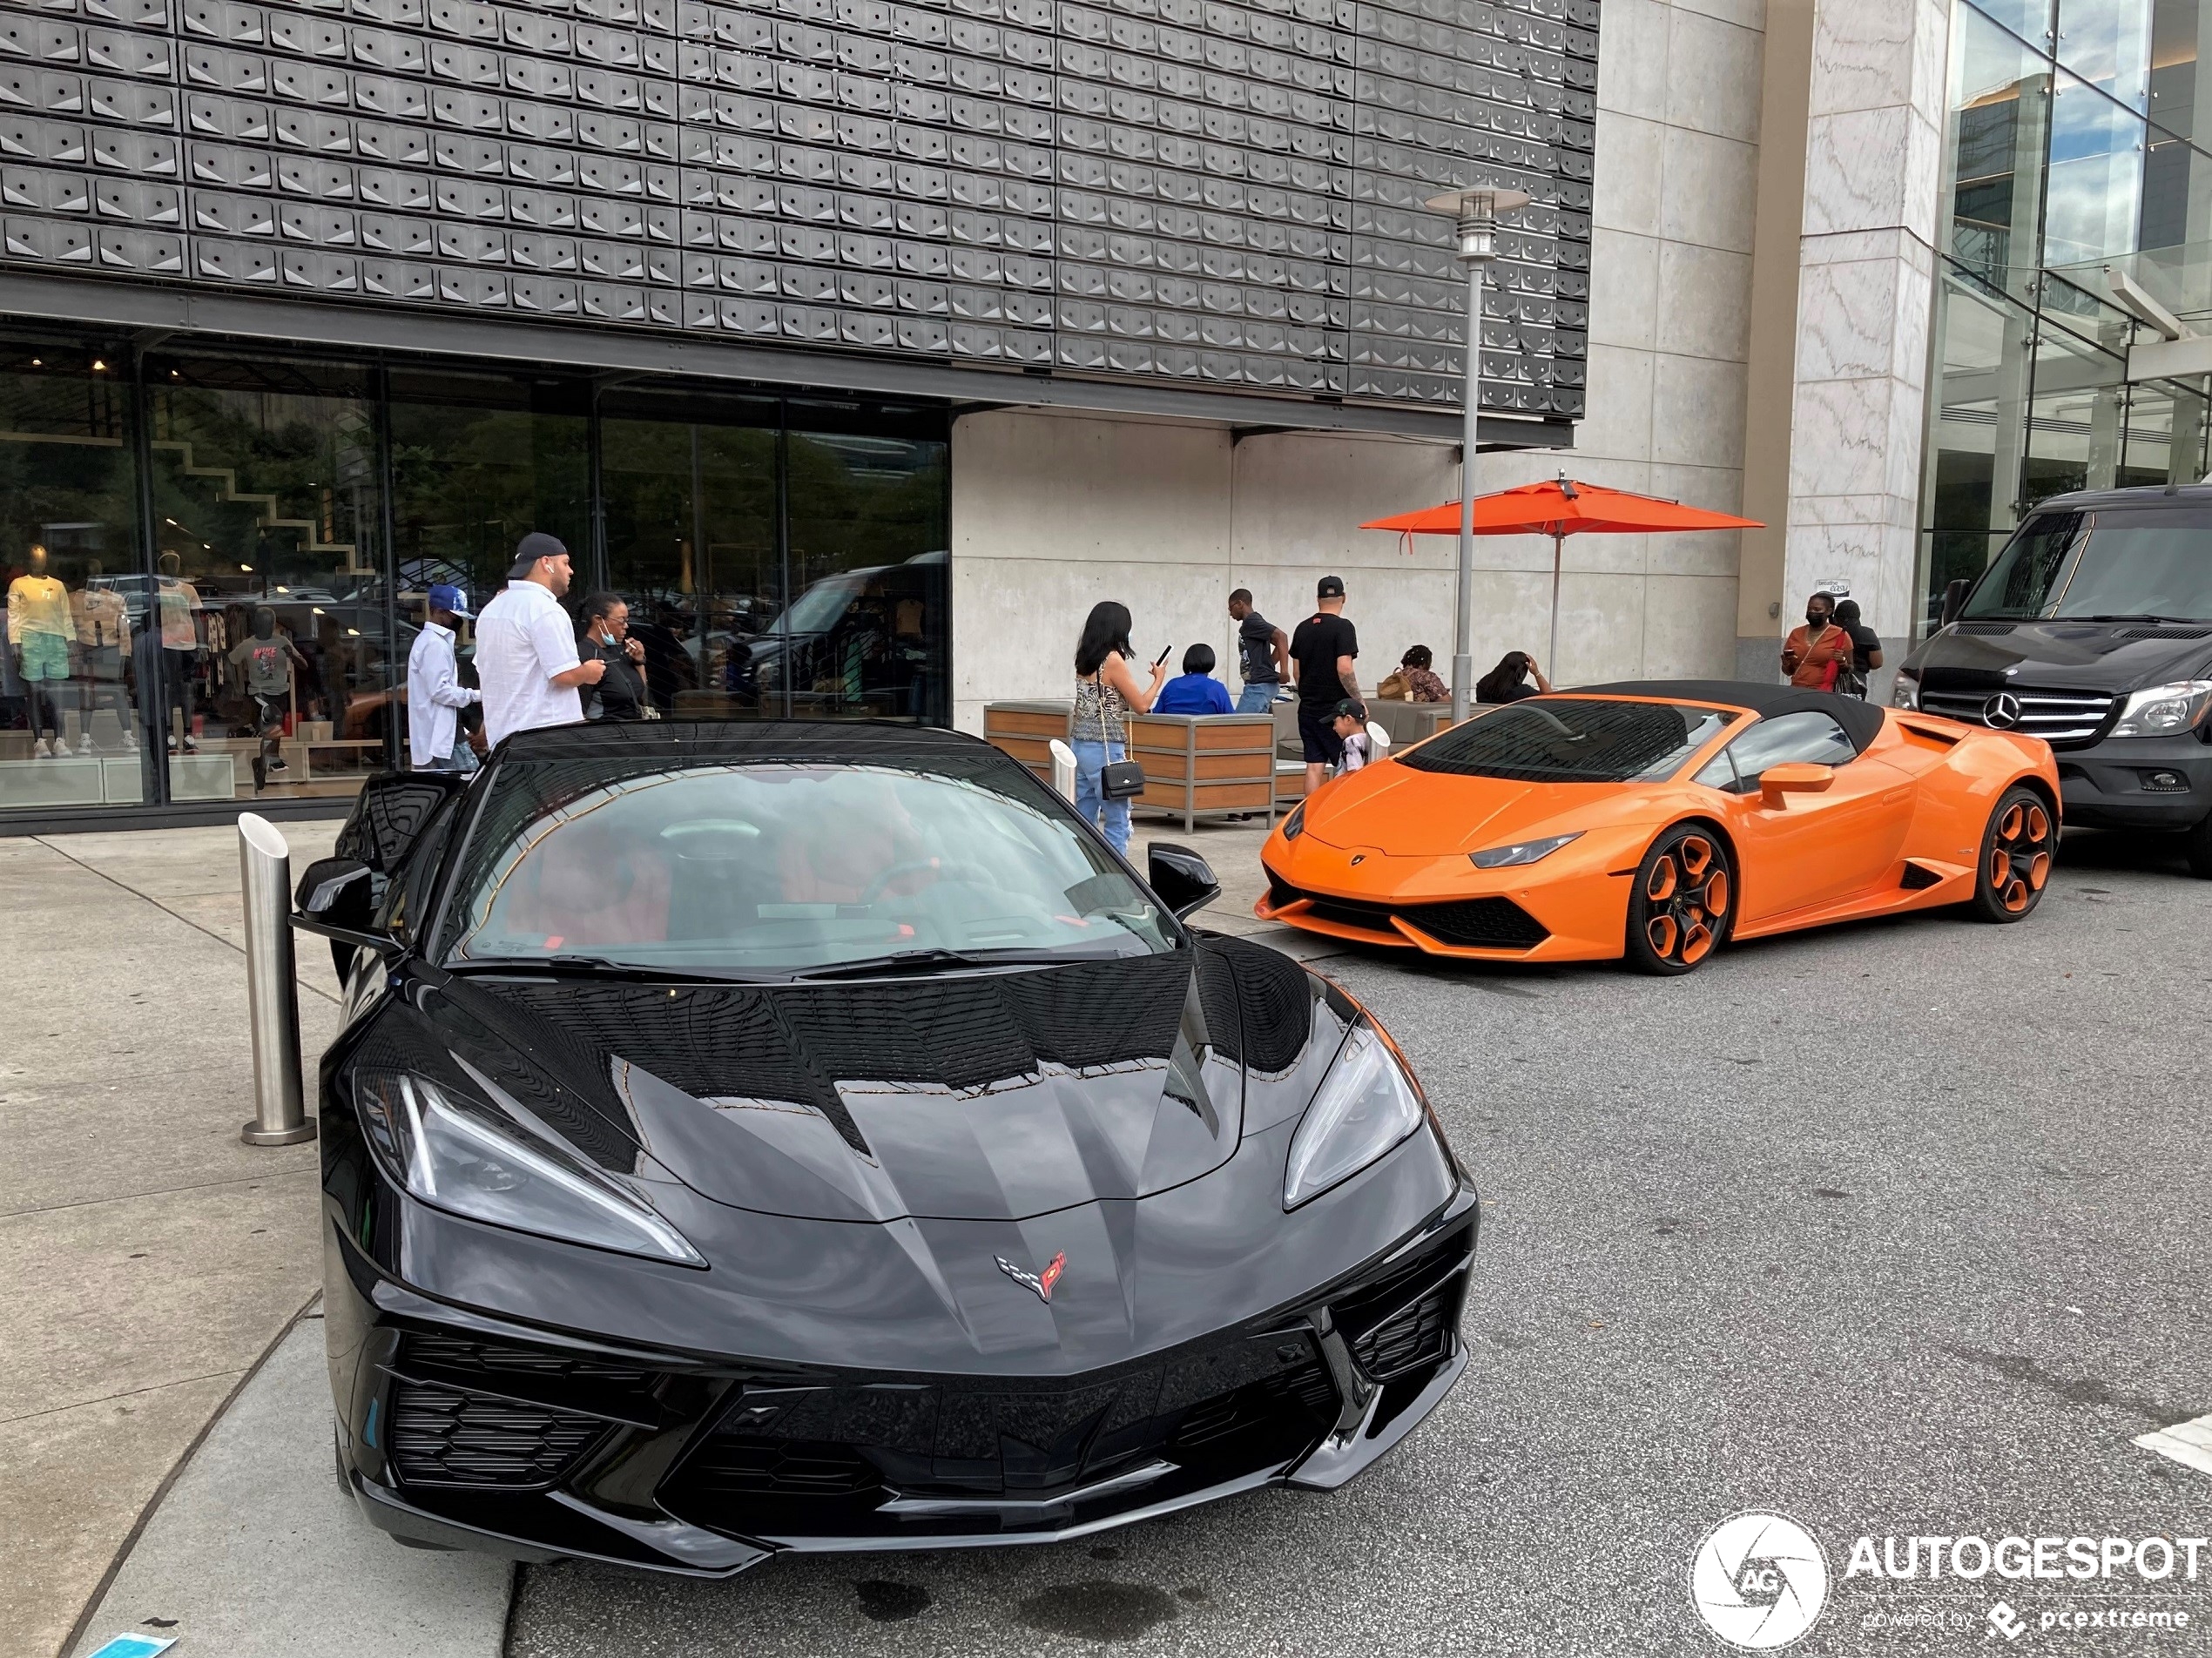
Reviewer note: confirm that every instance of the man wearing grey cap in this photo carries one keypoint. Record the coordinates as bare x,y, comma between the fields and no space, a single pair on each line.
526,654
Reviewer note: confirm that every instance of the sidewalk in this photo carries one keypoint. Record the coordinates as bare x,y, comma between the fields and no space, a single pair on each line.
149,1257
153,1260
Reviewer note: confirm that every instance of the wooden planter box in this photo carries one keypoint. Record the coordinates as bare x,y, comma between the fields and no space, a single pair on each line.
1025,731
1205,765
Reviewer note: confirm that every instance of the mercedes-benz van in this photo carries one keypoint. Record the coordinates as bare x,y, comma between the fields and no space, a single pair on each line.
2093,630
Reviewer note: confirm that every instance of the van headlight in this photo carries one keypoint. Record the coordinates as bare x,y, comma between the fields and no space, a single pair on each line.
1904,691
2164,710
457,1154
1366,1106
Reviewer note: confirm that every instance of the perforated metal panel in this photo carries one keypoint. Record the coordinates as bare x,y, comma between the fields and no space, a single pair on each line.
1227,195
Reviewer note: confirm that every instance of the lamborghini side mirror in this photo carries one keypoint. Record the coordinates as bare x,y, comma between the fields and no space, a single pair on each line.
1184,881
1954,599
1779,783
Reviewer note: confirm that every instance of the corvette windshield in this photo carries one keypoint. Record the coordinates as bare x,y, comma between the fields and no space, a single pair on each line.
775,868
1572,740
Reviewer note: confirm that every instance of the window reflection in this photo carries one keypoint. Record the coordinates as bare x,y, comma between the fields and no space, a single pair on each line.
265,499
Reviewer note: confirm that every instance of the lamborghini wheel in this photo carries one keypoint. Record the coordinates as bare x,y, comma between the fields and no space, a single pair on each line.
2017,851
1684,899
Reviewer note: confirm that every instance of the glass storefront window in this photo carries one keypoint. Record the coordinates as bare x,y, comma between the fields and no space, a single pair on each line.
70,675
2093,193
2107,44
867,631
2074,425
689,490
269,586
1998,133
2030,19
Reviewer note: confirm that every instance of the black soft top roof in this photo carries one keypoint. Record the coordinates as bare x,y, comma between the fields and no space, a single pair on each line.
748,739
1862,721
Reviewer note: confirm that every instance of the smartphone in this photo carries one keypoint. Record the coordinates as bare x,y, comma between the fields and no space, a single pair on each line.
1162,657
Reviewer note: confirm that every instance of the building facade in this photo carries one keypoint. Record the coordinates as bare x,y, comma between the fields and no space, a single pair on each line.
777,313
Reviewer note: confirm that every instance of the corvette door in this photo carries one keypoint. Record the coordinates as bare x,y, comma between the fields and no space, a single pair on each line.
1816,847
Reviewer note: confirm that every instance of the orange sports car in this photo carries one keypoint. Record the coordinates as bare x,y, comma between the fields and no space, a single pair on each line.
1656,821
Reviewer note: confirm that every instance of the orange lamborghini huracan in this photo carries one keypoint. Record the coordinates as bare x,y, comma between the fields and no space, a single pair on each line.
1656,821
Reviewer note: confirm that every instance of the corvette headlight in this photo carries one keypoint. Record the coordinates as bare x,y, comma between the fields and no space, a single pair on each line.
1521,851
1904,691
2164,710
1366,1105
460,1155
1294,825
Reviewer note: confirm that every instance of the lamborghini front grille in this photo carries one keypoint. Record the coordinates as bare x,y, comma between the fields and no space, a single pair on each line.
1468,923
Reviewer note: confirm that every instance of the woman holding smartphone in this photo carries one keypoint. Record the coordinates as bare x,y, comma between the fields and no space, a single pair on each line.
1106,692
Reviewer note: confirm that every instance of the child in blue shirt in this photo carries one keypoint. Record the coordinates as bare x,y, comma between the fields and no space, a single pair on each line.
1195,692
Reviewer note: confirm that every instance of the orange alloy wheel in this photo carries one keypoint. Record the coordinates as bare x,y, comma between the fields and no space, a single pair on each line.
1681,909
2016,857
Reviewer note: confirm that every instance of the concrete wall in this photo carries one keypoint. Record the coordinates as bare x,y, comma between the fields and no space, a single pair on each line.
1052,512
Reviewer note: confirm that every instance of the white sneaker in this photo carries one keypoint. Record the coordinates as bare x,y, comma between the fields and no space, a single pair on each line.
84,745
41,748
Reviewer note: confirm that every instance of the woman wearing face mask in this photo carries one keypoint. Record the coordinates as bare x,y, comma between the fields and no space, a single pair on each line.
620,693
1817,653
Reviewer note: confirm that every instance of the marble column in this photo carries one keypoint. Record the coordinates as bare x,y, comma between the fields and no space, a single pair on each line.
1866,271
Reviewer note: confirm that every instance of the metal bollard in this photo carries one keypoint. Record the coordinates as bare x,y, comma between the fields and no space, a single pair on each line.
1063,769
272,986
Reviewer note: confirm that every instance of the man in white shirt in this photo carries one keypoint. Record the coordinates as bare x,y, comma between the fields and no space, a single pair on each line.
435,693
526,654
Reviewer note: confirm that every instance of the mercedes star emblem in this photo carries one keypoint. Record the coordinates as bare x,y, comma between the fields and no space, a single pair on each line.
2002,711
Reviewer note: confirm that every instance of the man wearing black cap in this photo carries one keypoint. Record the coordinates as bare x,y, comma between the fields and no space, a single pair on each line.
1322,652
526,654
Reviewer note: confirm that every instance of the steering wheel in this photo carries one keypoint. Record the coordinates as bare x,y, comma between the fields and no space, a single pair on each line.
915,865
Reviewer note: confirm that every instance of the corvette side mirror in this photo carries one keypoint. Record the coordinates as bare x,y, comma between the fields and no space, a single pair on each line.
335,898
1184,881
1779,783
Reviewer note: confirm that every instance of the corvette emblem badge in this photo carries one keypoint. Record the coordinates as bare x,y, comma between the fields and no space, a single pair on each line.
1040,1282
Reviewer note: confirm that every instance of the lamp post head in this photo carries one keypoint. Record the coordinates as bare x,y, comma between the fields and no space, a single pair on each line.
1476,208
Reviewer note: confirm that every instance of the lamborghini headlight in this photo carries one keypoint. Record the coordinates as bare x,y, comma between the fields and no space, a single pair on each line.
2164,710
1521,851
1365,1105
460,1155
1294,825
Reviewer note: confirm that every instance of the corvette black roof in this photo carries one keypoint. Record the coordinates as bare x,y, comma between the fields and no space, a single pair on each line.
1862,721
747,739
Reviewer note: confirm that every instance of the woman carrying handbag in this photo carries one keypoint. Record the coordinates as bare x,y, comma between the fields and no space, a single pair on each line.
1106,691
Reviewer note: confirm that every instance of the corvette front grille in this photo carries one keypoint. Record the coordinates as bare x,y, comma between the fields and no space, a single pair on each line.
825,1459
2062,719
1418,1334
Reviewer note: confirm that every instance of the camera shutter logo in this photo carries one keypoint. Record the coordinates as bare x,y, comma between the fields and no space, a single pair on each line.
1759,1581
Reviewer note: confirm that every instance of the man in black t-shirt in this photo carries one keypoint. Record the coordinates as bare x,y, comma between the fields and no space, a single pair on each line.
1322,653
1262,654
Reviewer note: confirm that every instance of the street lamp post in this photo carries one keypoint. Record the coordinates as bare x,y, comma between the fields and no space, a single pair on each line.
1476,210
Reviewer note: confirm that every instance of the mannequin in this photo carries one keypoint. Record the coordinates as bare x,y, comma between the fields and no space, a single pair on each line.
177,602
40,632
269,658
103,645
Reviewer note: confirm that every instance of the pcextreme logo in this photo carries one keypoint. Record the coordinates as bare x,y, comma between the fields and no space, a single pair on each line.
1759,1581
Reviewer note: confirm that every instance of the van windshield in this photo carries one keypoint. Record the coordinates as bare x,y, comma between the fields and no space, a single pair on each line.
2142,563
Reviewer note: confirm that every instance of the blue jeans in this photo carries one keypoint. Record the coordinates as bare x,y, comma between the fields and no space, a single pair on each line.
1110,815
1256,698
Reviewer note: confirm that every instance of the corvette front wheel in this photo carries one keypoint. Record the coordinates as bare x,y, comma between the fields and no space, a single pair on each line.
2017,851
1684,899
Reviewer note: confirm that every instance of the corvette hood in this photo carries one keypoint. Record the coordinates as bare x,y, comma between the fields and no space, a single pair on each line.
984,1097
1407,813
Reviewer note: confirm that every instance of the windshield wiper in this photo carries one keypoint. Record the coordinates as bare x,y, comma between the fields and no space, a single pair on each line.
936,960
592,966
2116,616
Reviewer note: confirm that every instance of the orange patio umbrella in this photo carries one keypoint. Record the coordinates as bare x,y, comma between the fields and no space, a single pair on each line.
1560,508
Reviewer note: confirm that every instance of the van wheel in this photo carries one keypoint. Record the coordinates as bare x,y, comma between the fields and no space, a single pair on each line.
1684,899
2017,853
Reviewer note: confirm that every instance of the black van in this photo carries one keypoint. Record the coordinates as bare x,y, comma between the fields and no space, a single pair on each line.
2093,630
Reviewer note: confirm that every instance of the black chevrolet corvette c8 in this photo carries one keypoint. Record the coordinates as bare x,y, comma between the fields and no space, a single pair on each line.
746,1138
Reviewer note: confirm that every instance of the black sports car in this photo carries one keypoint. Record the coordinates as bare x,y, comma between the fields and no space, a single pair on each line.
788,1137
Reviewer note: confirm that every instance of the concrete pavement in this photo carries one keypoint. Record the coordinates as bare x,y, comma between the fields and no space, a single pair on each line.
149,1257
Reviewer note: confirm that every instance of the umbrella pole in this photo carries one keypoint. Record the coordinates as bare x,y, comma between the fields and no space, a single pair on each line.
1463,596
1559,551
